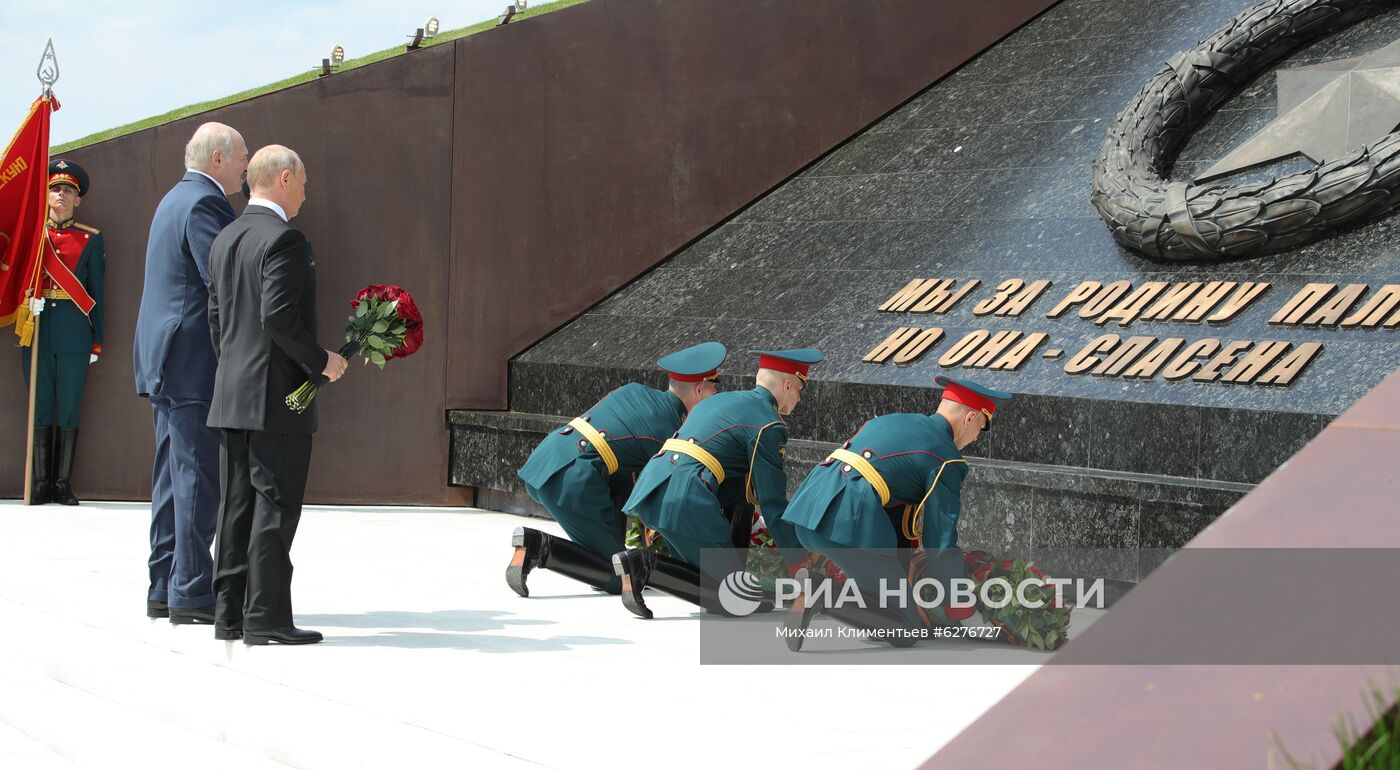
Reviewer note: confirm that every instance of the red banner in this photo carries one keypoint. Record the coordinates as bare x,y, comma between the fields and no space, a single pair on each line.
24,176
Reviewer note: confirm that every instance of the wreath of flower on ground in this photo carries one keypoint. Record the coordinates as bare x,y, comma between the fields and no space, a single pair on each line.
1215,221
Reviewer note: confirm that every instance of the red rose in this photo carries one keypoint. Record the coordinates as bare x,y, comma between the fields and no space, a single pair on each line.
408,313
375,291
983,572
406,310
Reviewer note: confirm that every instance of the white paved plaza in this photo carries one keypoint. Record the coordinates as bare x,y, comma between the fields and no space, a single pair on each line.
429,661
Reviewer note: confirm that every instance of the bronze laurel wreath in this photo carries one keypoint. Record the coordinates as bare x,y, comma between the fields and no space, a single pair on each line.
1215,221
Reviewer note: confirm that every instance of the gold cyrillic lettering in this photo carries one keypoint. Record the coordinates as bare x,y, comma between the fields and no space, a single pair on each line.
1211,371
1087,358
916,347
1292,365
1243,297
895,341
1127,310
1202,301
965,346
1077,295
1301,303
1258,359
1185,363
1331,312
1382,302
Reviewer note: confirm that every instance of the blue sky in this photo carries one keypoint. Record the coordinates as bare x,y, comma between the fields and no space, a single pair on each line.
122,61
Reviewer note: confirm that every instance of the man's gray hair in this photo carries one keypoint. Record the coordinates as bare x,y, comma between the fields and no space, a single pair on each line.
207,139
270,161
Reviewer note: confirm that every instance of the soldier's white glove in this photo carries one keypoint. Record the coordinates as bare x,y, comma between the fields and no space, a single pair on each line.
92,359
36,305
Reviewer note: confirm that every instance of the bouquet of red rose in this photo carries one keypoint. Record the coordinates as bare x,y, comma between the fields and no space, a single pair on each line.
1044,627
385,325
1037,628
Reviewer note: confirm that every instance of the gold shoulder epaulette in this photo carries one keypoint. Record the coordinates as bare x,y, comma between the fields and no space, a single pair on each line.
87,228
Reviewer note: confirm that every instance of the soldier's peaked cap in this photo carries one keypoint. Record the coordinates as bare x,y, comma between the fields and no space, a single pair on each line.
971,394
796,361
69,173
695,363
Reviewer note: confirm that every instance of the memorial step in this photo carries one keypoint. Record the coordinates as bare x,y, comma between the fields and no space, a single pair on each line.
1027,509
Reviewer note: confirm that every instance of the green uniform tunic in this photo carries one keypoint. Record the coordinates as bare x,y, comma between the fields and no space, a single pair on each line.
838,513
679,497
916,457
566,474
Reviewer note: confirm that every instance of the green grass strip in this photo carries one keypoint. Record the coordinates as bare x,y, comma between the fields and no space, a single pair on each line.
1376,748
305,77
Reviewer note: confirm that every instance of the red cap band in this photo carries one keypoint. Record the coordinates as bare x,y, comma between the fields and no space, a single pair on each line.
783,365
67,179
694,377
968,397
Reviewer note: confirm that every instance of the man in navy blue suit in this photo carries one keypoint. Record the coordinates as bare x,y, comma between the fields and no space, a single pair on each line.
174,364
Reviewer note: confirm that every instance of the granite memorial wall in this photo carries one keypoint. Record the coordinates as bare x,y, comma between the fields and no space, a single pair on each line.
956,236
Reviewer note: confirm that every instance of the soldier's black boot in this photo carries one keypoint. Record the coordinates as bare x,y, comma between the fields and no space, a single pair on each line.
63,471
805,607
633,566
888,621
642,569
556,554
42,491
570,559
529,545
680,580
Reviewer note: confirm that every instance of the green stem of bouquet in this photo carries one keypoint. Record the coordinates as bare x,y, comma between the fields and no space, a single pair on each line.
299,399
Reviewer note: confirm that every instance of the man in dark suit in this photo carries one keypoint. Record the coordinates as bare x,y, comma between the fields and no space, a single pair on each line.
262,313
174,365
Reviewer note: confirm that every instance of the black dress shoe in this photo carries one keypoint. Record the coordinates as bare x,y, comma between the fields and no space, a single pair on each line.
284,635
192,616
157,609
227,634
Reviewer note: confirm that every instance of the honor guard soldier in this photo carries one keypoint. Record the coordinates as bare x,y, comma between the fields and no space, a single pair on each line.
896,484
697,492
70,332
582,472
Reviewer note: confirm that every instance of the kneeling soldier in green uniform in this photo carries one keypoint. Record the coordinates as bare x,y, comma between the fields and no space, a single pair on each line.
728,452
70,333
583,471
896,484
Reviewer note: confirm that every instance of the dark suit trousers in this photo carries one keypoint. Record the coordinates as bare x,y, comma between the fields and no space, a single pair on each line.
264,481
184,503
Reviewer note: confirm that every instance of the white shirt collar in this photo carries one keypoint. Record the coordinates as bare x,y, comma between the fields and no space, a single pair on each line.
210,178
256,201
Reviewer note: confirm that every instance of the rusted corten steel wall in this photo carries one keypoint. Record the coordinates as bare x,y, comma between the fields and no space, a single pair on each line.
509,180
377,144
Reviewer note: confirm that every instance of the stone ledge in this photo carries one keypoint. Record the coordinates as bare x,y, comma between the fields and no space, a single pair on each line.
1122,523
